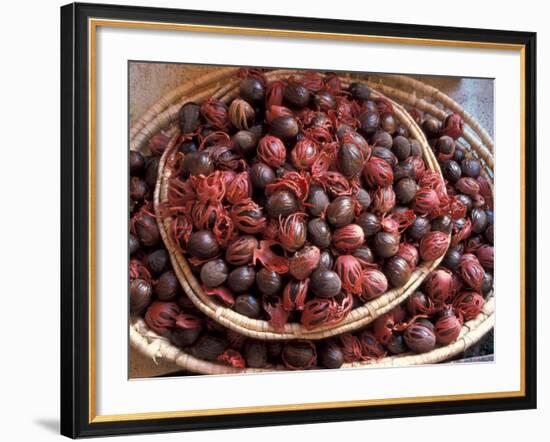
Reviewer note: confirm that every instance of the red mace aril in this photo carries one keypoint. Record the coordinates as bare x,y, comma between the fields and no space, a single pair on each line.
486,255
420,304
209,189
138,270
239,188
352,137
398,222
433,245
318,312
420,337
158,143
241,114
383,200
292,232
271,229
240,251
303,262
453,126
312,81
161,316
426,200
333,84
468,186
351,348
438,285
304,154
324,311
457,285
469,304
293,182
418,165
447,327
409,253
348,238
224,229
377,172
274,94
371,348
277,315
335,183
215,113
204,214
433,180
373,285
233,358
321,135
486,191
235,339
228,176
299,355
221,293
271,151
471,271
248,216
181,227
382,327
461,232
277,111
269,259
294,295
188,321
348,268
180,192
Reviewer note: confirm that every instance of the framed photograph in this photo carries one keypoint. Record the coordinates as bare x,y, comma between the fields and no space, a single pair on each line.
276,220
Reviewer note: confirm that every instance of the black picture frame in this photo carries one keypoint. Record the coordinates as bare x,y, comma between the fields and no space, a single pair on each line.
75,398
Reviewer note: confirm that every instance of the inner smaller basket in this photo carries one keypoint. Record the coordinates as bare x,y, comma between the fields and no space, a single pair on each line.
262,329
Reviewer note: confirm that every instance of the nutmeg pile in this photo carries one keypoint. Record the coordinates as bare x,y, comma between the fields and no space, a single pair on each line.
298,201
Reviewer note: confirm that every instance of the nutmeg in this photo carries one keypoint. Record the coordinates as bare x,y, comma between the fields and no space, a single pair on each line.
255,353
141,294
214,273
401,148
299,355
340,211
247,305
202,244
350,160
330,355
325,283
405,190
241,279
386,244
269,283
319,233
167,286
317,201
397,271
303,262
281,203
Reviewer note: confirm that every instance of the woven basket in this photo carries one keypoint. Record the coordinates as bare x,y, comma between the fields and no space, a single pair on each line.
262,329
154,346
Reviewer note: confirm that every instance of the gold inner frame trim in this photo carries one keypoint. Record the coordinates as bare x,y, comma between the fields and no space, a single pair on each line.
93,24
